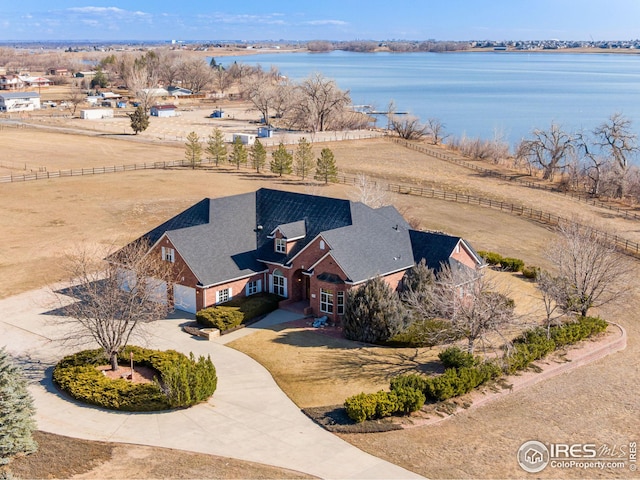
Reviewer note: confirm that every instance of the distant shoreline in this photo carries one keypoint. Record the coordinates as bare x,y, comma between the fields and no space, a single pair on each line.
231,52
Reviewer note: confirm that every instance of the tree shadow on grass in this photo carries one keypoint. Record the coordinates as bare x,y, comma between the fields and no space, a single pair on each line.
352,360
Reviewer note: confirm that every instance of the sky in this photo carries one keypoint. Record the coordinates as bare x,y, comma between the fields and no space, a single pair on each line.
251,20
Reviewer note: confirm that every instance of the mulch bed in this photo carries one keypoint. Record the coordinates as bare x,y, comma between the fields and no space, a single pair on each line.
141,374
334,418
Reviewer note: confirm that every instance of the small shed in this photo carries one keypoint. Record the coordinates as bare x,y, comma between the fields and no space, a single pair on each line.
163,111
219,113
245,138
265,132
96,113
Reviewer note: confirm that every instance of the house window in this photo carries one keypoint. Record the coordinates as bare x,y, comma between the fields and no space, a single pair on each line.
253,287
168,254
223,295
279,284
326,301
281,245
321,244
340,303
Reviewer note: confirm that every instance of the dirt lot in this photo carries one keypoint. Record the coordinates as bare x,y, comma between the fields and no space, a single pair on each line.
42,220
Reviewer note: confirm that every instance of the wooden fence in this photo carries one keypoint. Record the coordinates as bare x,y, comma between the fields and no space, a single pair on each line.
583,197
622,244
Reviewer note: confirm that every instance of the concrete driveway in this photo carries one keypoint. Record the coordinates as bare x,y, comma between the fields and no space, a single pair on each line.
248,417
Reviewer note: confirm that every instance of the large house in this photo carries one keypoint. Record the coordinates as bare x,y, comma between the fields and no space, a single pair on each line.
305,248
19,101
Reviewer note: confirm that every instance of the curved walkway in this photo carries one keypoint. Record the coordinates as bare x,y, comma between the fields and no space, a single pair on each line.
248,417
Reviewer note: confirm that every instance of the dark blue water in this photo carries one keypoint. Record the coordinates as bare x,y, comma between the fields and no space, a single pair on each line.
479,94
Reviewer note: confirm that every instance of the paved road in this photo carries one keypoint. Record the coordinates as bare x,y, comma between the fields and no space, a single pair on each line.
248,418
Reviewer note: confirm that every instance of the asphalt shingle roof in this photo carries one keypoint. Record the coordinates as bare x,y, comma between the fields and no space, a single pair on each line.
227,238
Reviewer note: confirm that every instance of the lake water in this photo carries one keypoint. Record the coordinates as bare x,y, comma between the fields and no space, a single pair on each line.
479,94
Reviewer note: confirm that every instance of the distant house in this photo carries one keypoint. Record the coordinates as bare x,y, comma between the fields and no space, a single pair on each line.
19,101
30,81
179,91
304,248
59,72
89,74
163,110
11,82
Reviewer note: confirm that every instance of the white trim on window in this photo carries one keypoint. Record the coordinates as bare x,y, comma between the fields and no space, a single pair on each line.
223,295
326,301
168,254
278,283
281,245
253,287
340,303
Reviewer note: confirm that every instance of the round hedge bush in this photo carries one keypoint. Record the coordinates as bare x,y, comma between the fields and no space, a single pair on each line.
181,382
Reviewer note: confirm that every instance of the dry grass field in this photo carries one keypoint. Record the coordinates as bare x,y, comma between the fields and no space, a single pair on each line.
43,220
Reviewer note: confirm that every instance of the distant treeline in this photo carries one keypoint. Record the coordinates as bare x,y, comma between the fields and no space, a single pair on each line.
372,46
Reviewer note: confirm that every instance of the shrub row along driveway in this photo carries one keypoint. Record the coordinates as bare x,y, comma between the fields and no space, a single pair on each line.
248,417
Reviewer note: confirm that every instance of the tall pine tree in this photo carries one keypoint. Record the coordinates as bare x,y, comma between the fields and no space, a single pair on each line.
303,158
216,148
258,155
282,160
139,120
238,153
326,167
16,411
193,150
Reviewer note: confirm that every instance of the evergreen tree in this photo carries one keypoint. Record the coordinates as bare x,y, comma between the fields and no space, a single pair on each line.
258,155
373,313
139,120
216,148
16,411
193,150
282,160
326,167
99,79
303,158
238,154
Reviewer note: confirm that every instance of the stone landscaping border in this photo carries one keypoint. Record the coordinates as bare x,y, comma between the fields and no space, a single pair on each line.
587,352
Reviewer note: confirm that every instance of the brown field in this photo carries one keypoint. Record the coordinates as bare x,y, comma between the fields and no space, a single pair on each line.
42,220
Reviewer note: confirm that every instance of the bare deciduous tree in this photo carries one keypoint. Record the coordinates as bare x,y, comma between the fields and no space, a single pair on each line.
116,298
435,130
592,272
408,127
617,141
468,301
371,192
76,97
553,297
548,149
321,100
195,75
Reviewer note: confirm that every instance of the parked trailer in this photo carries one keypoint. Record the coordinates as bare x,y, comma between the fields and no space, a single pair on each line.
96,113
245,138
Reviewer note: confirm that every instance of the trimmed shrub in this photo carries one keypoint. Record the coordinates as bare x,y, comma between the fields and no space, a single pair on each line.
237,311
454,357
409,380
492,258
531,272
573,332
361,407
511,264
181,381
220,317
409,399
533,344
367,406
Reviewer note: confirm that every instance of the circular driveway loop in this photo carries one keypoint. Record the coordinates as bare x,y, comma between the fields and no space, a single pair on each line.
248,417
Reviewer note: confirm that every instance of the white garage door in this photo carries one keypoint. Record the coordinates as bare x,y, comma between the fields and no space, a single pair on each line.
184,298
